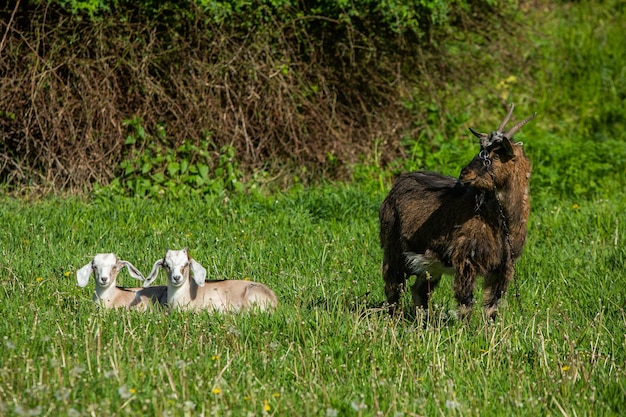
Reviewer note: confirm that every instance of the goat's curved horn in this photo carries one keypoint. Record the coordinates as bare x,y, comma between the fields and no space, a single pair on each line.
518,126
507,118
478,134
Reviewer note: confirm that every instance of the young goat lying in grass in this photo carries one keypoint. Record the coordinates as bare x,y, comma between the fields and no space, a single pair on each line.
198,294
105,267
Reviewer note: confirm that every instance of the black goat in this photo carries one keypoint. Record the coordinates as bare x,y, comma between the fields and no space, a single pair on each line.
432,224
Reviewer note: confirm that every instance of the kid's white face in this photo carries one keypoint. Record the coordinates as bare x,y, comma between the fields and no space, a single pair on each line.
176,264
105,268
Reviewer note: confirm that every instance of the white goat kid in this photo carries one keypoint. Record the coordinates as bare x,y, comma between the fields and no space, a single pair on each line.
198,294
105,268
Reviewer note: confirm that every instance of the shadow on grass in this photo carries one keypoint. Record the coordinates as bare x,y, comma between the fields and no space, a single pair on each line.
364,306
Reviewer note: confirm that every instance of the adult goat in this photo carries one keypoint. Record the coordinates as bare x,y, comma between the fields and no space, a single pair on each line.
431,224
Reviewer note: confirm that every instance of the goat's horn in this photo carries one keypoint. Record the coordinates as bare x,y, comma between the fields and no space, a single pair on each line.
506,119
518,126
478,134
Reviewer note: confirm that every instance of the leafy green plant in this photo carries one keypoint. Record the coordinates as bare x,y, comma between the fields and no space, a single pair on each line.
152,169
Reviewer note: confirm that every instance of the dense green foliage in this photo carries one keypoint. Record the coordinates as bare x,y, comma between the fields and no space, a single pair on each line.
292,88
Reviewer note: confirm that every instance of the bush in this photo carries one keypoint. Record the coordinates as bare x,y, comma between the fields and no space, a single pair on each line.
310,85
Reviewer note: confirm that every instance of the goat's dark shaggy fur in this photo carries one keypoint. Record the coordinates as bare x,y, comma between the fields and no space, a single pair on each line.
432,224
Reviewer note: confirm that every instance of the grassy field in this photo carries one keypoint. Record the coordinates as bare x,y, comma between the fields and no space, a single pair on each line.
329,349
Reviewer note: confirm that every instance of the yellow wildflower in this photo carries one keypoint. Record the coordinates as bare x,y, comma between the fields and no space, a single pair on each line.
266,406
216,391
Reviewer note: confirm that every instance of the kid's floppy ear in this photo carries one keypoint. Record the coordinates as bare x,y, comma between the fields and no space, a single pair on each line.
199,273
154,273
83,275
132,270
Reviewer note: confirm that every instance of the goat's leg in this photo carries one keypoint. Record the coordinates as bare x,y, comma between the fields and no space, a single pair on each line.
464,292
421,289
393,274
495,287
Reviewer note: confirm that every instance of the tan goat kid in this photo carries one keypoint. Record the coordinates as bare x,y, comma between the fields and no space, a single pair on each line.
197,294
105,267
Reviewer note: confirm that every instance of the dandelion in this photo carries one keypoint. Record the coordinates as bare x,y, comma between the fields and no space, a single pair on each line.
266,406
110,374
216,391
358,405
565,368
77,370
39,279
67,273
575,206
62,394
35,411
125,392
331,412
451,404
215,357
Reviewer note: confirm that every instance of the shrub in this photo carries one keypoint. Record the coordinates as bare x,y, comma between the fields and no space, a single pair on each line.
284,84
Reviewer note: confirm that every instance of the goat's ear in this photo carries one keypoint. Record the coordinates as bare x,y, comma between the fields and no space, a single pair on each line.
132,270
83,274
199,273
153,274
508,148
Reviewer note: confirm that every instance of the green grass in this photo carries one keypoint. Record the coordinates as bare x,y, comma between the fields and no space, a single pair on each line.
328,349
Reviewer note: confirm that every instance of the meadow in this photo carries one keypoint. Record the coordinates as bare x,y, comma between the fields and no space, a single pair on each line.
330,348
